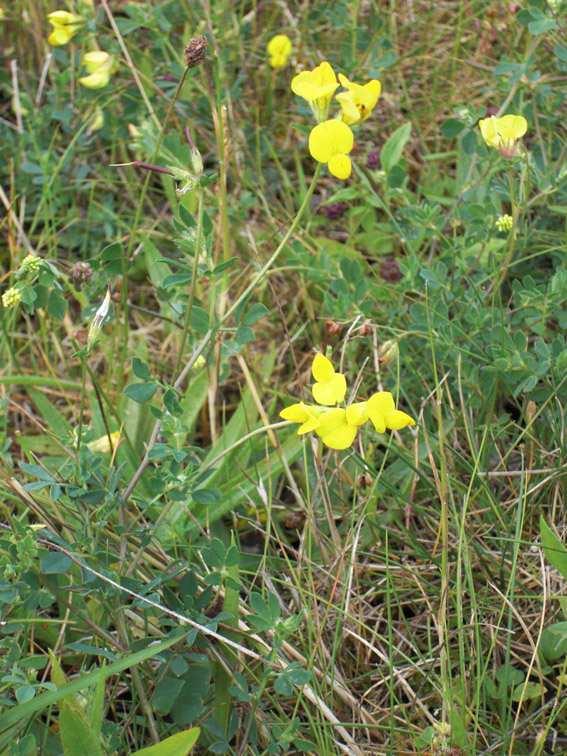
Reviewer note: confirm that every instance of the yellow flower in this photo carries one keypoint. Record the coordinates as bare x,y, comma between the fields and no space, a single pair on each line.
11,297
96,121
99,65
103,445
503,133
335,430
305,414
317,87
358,102
279,50
383,413
65,26
330,387
330,142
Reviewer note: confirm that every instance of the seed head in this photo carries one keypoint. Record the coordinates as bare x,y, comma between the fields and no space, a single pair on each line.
81,273
196,51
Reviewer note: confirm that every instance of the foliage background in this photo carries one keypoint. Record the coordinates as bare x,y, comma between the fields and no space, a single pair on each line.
391,599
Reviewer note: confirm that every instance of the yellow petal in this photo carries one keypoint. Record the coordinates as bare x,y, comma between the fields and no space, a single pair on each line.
380,405
295,413
60,36
322,368
332,137
96,80
335,431
397,420
330,392
488,131
102,445
357,413
313,85
95,60
512,127
63,18
279,45
349,112
340,166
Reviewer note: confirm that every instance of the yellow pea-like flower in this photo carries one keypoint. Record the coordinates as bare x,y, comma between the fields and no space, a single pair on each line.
317,87
100,66
330,142
359,100
279,49
384,415
65,26
104,444
503,133
335,430
330,387
307,416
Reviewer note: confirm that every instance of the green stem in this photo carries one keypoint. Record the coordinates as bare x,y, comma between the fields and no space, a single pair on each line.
196,255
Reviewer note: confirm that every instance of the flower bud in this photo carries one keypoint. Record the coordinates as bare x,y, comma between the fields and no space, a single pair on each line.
504,223
388,352
11,297
98,320
31,265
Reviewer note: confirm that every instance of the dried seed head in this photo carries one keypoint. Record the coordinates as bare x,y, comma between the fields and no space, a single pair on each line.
390,270
81,273
196,51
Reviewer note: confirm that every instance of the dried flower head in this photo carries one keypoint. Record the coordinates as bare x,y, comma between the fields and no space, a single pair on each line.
81,273
196,51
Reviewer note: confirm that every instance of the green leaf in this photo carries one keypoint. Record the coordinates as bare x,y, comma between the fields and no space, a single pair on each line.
532,690
76,732
166,693
17,713
141,392
554,550
179,744
141,370
542,25
254,314
393,148
54,563
452,127
553,643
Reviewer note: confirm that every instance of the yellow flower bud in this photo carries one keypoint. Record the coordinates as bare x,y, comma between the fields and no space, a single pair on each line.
100,65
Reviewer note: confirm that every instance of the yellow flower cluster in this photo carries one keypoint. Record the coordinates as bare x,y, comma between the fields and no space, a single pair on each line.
99,64
337,426
331,141
11,297
503,133
65,26
504,223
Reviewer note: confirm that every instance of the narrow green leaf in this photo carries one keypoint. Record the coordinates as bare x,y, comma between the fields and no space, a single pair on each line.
76,733
554,550
26,710
393,148
179,744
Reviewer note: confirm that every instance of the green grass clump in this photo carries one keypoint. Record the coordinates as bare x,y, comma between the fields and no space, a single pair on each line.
177,565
